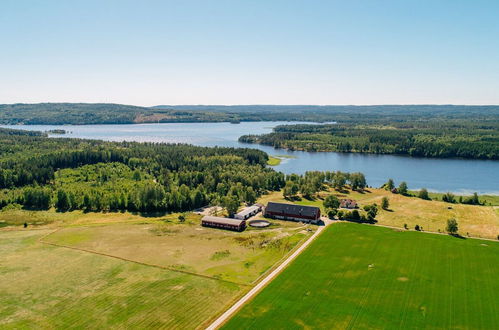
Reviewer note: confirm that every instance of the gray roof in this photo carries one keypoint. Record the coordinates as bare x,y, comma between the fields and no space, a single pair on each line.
248,210
225,221
292,209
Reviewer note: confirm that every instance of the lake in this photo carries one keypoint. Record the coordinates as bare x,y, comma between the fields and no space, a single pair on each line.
456,175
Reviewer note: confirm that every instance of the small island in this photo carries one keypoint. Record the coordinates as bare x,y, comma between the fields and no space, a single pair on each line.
57,131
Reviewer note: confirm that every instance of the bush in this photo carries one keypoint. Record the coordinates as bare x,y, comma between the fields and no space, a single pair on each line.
423,194
452,226
385,203
331,213
449,197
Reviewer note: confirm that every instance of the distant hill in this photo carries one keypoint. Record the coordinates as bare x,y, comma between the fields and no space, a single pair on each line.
108,113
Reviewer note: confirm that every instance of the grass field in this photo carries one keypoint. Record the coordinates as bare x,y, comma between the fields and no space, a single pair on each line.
42,286
121,270
476,221
221,254
364,277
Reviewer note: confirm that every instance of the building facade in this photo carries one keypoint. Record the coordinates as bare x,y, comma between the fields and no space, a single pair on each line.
223,223
293,212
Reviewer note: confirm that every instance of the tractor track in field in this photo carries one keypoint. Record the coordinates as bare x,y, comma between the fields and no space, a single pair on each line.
41,240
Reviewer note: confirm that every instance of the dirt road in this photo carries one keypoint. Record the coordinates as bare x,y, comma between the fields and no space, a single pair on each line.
225,316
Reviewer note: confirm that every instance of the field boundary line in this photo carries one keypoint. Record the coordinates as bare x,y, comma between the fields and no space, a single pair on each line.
140,262
264,282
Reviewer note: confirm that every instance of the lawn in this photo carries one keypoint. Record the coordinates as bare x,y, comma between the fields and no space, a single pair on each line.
364,277
473,220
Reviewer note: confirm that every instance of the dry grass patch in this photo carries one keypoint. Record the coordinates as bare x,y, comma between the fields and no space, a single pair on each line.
232,256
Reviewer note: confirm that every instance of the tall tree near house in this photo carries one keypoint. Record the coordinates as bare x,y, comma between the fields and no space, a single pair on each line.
231,203
331,202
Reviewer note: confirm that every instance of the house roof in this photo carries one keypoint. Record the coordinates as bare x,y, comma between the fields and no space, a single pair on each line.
348,202
292,209
249,210
225,221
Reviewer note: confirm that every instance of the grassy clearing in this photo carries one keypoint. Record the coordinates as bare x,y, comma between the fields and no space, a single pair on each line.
476,221
42,286
364,277
231,256
273,161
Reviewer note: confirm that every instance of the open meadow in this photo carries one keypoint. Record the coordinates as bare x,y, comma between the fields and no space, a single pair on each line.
364,277
474,220
102,270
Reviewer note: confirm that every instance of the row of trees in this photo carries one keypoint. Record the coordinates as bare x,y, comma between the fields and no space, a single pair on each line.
314,181
423,194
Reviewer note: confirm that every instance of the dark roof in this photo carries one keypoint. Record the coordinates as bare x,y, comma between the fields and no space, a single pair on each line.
225,221
292,209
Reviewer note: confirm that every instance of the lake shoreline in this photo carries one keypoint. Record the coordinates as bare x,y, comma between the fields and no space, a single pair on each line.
459,176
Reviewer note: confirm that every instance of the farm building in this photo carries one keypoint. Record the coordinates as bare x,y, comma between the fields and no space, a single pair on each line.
248,212
224,223
348,204
292,212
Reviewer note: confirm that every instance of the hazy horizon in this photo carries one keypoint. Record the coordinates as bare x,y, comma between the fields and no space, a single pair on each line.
260,52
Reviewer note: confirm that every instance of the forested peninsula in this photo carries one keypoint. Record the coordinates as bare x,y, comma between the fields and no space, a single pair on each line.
473,139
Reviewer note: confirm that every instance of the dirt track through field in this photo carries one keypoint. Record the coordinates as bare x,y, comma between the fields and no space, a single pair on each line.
248,296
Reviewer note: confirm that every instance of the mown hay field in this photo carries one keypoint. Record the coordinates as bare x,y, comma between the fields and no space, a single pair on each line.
130,272
43,286
366,277
188,247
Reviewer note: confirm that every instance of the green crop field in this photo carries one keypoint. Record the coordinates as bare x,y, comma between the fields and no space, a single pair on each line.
364,277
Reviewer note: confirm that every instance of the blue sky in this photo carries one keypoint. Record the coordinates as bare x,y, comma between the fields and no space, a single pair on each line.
250,52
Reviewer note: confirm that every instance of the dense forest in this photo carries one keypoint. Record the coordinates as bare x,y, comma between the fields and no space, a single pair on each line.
430,138
37,172
101,113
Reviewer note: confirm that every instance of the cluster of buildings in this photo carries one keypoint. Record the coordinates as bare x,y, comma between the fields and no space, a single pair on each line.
282,211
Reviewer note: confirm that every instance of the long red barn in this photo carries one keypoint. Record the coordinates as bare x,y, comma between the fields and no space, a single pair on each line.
292,212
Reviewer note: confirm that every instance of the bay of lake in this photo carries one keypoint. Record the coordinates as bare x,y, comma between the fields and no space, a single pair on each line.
461,176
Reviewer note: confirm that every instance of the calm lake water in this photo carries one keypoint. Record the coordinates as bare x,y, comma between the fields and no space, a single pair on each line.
456,175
